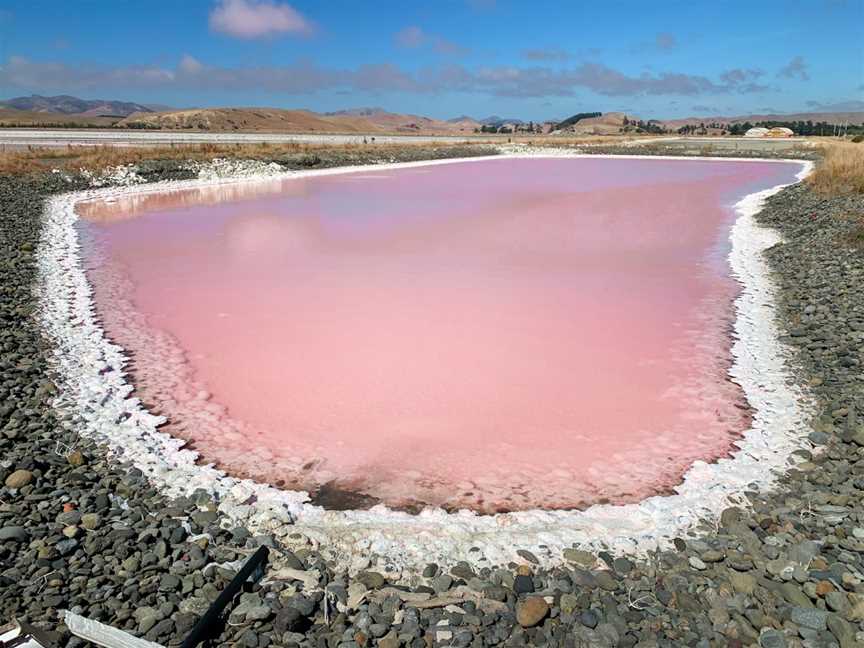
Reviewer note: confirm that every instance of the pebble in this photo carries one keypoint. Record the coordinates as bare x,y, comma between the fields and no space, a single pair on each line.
588,619
531,611
14,533
372,580
523,584
809,617
741,582
770,638
19,479
583,558
91,521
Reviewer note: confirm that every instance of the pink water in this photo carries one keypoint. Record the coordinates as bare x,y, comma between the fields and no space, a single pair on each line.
497,334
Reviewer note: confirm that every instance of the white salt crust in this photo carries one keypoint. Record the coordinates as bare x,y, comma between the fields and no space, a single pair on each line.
95,390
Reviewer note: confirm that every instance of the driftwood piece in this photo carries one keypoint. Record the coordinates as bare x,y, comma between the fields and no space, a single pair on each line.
103,635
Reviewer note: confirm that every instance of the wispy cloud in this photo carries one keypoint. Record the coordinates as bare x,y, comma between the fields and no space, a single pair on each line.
547,54
743,80
250,19
851,105
411,37
305,77
414,37
795,69
665,41
740,75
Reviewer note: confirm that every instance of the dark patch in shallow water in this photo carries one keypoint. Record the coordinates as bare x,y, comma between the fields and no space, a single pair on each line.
333,497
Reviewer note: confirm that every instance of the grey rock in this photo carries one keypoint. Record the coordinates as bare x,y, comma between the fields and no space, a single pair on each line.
810,618
14,533
589,619
770,638
250,608
462,570
523,584
842,631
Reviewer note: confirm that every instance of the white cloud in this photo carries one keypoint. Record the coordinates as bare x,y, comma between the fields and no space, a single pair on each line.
257,19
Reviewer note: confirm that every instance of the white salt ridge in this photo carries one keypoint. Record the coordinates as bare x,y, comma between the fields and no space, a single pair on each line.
95,390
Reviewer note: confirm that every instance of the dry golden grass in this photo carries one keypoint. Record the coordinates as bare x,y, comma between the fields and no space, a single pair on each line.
565,141
95,158
841,170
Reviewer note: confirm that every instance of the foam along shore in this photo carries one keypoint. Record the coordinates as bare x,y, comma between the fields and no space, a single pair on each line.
94,387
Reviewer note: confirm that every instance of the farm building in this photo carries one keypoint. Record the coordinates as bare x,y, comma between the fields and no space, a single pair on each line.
756,132
780,131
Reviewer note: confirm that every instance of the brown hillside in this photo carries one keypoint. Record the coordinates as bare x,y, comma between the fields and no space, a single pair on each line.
299,121
10,118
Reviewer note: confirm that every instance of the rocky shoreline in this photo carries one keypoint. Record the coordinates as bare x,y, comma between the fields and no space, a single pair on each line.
80,532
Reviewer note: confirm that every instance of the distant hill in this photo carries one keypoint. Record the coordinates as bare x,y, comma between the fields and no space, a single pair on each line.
853,117
357,120
68,111
574,119
495,120
68,105
11,118
610,123
244,119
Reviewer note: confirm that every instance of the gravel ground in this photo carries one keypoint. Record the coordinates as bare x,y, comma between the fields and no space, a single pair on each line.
80,532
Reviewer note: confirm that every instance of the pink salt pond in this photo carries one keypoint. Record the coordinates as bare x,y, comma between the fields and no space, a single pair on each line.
495,334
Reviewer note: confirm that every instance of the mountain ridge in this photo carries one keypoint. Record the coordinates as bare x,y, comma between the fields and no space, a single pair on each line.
69,105
363,119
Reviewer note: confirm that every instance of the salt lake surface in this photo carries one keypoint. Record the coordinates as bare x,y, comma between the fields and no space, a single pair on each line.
497,334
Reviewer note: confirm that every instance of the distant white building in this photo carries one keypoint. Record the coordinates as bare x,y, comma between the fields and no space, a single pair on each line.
780,131
756,132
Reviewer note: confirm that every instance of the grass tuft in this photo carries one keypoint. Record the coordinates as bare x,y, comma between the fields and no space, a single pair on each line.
841,170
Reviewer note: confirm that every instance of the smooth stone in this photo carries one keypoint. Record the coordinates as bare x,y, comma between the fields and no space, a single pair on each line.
19,479
589,619
580,557
16,533
523,584
531,611
527,555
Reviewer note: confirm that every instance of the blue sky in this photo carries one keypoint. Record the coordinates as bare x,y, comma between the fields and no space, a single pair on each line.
533,60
